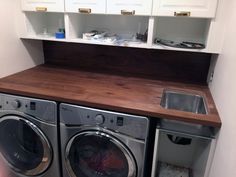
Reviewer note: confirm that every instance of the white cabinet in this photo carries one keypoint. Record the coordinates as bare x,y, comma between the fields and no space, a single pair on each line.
136,28
130,7
192,8
86,6
178,30
43,5
42,26
124,28
118,30
182,154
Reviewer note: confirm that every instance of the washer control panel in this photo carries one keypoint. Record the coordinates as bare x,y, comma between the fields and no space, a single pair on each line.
16,104
136,126
120,121
99,119
41,109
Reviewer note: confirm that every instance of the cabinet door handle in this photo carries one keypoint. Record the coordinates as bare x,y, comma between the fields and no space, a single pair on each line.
182,14
41,9
126,12
85,10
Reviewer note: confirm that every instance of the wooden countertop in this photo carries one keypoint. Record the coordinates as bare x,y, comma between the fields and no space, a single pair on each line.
109,92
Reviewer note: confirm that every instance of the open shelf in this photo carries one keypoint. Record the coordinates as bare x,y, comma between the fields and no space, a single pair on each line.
123,29
181,154
43,25
180,30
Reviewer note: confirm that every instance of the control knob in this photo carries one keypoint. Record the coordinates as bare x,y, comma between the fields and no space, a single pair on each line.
16,104
99,119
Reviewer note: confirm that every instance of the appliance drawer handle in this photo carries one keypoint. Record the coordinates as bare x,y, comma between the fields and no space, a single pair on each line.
182,14
85,10
126,12
41,9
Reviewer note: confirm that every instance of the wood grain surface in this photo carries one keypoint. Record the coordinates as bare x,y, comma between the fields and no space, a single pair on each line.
110,92
188,67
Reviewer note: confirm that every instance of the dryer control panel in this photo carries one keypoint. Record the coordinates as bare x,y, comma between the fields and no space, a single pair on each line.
40,109
132,125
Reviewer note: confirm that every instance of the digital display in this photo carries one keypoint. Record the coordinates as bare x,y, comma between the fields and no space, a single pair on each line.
120,121
32,106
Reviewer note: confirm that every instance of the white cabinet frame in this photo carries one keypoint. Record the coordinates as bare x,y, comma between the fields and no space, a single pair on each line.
86,6
43,5
190,8
213,38
204,158
130,7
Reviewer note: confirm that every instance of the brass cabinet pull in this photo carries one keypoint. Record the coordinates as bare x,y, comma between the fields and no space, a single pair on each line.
182,14
126,12
85,10
41,9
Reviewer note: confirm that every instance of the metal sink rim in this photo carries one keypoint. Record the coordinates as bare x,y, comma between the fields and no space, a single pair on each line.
166,91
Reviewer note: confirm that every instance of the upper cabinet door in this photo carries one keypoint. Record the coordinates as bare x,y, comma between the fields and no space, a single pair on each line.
86,6
43,5
129,7
192,8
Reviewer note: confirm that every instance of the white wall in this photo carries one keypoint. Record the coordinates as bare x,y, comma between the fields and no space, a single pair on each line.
15,55
223,89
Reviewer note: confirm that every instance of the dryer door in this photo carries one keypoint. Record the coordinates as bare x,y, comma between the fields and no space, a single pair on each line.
23,146
97,154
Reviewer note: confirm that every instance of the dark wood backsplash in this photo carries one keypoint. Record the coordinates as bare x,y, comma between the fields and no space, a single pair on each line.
146,63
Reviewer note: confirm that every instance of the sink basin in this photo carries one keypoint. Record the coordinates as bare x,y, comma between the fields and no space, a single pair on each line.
183,102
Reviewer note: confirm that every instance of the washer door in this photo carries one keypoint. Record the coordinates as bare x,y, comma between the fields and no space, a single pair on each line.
23,146
97,154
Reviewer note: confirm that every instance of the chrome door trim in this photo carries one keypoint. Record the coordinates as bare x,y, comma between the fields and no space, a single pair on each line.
129,157
114,133
47,156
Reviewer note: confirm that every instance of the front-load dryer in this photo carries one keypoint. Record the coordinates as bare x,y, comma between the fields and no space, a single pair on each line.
98,143
28,136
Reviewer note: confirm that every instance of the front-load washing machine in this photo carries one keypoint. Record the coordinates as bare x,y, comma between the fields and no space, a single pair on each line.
28,136
98,143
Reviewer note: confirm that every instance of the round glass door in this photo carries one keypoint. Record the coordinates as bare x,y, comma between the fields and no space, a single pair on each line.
23,146
96,154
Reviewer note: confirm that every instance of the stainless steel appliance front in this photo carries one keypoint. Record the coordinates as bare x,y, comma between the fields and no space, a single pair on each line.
28,136
98,143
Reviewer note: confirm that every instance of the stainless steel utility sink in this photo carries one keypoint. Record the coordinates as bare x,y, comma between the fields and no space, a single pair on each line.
183,102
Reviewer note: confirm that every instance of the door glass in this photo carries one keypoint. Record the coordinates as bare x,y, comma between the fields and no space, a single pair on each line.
97,156
20,145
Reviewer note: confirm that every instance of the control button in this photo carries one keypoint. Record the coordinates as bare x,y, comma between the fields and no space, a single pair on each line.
16,104
32,106
120,121
99,119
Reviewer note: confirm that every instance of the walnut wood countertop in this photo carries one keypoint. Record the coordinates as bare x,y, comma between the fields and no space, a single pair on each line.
110,92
